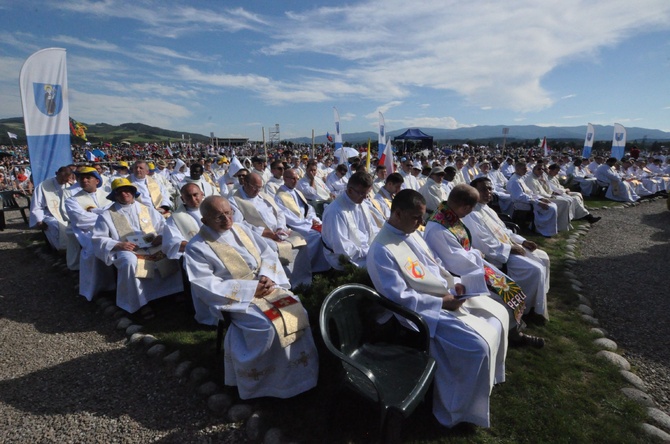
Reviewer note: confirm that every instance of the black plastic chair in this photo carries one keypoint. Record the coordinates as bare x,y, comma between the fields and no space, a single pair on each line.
221,327
392,374
9,203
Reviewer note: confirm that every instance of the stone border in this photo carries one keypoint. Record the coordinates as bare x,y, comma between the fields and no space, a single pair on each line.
636,390
256,423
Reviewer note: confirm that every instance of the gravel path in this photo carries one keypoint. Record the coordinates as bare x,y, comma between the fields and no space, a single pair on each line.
66,374
624,264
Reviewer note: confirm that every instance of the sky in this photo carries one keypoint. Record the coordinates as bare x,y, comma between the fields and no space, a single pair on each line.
234,68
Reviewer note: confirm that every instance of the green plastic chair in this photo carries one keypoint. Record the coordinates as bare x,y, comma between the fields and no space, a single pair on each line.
384,370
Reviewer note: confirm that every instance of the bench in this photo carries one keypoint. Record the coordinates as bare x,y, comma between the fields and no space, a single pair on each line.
9,203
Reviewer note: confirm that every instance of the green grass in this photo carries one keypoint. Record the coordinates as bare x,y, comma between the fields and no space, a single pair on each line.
559,394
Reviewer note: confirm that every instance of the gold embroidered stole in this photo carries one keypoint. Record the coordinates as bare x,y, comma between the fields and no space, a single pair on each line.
495,227
53,194
154,259
286,313
290,203
154,191
616,187
85,200
253,217
185,223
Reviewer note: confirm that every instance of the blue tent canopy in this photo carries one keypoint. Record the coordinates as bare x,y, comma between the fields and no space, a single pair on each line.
413,134
424,140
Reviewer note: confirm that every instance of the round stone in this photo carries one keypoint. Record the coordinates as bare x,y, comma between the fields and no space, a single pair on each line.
239,412
149,340
570,275
104,303
638,396
655,433
198,374
273,436
590,320
576,287
615,359
123,323
583,299
599,332
634,380
659,417
219,403
135,339
585,309
183,369
132,329
156,351
172,358
257,425
606,344
208,388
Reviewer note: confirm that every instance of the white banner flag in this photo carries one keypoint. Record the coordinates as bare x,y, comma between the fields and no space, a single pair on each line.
12,135
588,141
381,137
338,136
46,115
618,141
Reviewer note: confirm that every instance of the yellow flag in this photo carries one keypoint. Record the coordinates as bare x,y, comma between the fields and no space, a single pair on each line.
367,161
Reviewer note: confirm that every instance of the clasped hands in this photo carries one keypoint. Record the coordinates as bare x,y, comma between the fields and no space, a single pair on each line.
265,287
450,302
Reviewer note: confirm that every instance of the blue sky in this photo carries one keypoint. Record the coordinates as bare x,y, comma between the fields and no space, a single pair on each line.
232,67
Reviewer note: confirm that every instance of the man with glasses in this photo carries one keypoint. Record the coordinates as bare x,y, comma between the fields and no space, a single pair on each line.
409,180
337,180
231,268
277,180
348,224
266,219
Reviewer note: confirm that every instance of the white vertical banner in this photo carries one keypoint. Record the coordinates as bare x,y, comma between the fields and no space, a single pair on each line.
618,141
545,148
588,141
46,114
338,137
381,136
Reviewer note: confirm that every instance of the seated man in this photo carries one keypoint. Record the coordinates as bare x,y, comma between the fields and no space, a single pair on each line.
468,337
264,216
277,179
231,268
151,192
526,264
578,174
83,209
128,235
301,218
433,191
617,188
196,176
46,208
380,178
499,182
450,241
538,185
348,225
337,180
311,185
384,197
184,223
577,200
545,211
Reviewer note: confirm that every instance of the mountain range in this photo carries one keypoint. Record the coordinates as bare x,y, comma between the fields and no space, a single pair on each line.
138,132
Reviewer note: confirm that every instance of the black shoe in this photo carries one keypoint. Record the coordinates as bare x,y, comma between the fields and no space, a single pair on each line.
518,339
593,219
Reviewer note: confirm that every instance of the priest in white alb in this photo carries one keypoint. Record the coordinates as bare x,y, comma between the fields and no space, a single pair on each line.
468,337
184,223
269,349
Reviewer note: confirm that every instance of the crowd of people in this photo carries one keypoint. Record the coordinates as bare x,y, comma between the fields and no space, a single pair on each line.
241,233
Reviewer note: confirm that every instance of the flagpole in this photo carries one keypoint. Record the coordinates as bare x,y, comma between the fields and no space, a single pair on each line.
265,148
313,153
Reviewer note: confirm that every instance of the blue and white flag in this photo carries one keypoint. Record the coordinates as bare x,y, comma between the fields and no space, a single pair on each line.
588,141
381,139
90,156
46,115
338,136
618,141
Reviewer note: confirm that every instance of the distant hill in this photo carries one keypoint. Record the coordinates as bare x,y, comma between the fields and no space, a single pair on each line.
140,133
486,133
103,132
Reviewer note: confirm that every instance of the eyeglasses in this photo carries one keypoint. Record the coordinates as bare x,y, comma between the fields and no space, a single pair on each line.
360,193
221,216
279,168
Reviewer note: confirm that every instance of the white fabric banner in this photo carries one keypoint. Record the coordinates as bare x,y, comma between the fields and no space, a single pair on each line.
618,141
588,141
46,115
381,137
338,136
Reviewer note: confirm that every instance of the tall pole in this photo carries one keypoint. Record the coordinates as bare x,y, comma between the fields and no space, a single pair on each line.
265,148
313,153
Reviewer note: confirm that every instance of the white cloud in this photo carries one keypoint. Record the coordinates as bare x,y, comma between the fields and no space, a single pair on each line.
428,122
569,96
94,44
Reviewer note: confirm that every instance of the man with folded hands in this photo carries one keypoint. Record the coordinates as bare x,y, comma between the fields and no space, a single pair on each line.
269,349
